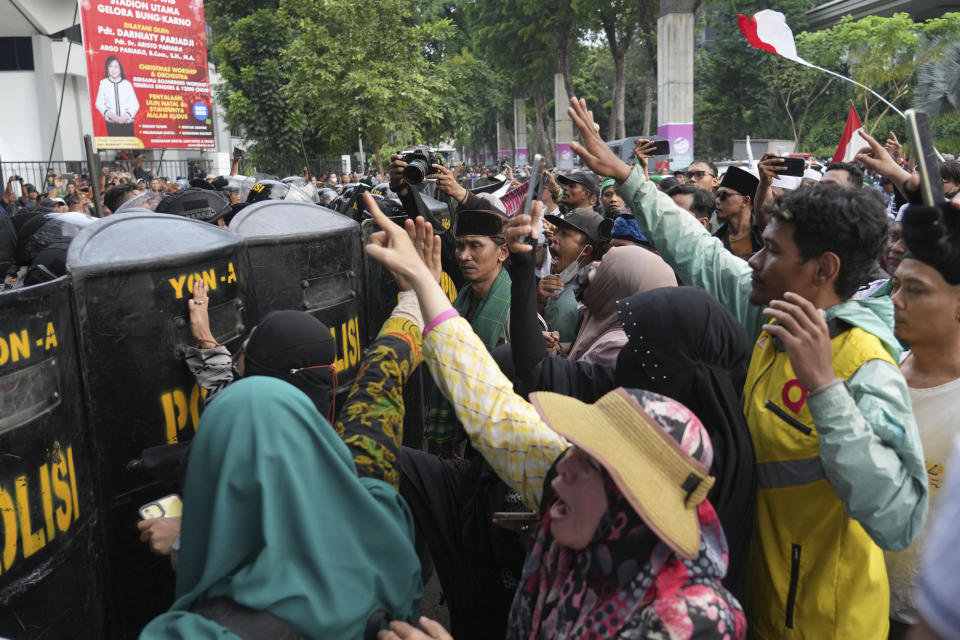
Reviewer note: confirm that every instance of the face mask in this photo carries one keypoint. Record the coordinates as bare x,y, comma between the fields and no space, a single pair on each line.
570,271
581,282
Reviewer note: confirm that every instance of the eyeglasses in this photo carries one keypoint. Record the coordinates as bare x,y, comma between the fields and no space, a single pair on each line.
723,195
697,175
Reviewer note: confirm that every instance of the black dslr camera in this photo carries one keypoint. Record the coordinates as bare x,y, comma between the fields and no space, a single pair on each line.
420,163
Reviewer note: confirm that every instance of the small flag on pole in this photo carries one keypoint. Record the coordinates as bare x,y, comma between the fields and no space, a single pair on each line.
851,141
768,30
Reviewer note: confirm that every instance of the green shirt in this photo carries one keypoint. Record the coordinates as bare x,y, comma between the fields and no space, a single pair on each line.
562,315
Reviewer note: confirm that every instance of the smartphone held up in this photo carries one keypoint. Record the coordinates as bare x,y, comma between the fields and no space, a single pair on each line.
928,165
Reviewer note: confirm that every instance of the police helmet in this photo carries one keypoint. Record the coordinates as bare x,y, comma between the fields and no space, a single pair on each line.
146,200
196,203
390,208
327,196
307,187
273,190
48,230
247,183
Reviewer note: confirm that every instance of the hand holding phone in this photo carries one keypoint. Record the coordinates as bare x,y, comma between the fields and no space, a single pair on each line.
538,165
644,149
166,507
794,167
661,147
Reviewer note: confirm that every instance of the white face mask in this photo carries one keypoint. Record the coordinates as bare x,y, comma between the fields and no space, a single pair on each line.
570,271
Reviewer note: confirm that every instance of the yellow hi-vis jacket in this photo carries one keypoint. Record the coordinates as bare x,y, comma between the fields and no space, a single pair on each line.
868,442
814,572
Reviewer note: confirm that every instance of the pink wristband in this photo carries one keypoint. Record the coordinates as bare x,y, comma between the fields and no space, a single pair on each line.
446,315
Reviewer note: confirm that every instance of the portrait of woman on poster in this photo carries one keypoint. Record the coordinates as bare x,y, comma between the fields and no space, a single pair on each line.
116,100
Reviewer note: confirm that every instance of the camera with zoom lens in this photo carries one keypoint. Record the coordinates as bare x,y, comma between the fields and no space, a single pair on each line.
420,163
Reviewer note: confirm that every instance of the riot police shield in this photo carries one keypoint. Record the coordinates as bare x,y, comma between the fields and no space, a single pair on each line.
51,584
381,293
133,276
307,258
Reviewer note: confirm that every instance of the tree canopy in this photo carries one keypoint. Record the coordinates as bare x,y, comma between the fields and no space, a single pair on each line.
305,78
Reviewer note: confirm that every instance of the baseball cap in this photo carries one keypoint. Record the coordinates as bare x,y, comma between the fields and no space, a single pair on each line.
582,219
581,177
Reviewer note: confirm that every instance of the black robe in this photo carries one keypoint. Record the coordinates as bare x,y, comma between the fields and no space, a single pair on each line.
682,344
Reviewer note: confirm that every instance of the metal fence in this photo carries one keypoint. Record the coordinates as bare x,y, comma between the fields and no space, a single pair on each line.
35,172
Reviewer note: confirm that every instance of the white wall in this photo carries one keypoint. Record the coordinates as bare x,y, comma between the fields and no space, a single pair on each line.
20,118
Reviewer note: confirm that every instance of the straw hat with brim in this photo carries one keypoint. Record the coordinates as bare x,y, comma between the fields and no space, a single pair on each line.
655,449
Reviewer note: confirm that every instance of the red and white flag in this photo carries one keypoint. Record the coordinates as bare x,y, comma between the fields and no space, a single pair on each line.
768,30
851,141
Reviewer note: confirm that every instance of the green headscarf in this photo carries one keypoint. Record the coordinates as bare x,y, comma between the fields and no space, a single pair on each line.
276,518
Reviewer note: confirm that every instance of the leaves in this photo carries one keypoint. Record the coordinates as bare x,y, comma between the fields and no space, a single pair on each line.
742,91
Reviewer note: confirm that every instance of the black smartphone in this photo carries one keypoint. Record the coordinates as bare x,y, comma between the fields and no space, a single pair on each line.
795,167
661,147
534,177
538,166
931,184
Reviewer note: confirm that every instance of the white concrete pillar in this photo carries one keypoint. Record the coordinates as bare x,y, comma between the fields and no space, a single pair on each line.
504,143
675,44
519,133
564,126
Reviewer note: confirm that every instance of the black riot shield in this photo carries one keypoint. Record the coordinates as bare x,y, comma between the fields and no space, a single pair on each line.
308,258
51,584
133,276
381,297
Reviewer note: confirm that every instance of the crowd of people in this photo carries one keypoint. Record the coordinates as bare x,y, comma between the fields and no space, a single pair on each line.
661,404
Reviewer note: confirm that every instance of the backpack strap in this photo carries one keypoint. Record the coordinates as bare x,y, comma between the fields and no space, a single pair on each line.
249,624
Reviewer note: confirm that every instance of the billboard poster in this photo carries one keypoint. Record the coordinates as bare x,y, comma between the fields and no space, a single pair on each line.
147,73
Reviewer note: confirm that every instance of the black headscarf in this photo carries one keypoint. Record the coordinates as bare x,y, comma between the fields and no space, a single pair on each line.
284,344
683,344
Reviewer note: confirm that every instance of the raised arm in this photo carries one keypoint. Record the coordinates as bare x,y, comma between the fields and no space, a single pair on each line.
209,361
371,421
698,258
526,342
768,167
502,426
535,369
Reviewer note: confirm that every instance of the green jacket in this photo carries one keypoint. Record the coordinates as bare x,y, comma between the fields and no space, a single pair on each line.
884,485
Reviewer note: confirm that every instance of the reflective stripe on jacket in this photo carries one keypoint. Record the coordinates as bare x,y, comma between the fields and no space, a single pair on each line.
814,571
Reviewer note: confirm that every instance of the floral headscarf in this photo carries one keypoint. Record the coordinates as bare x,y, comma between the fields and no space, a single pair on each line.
627,583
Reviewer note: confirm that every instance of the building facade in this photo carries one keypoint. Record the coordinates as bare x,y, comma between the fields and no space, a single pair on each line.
42,58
